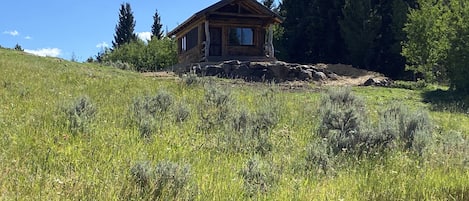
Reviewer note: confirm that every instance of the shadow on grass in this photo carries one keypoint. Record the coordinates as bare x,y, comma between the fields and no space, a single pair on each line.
447,100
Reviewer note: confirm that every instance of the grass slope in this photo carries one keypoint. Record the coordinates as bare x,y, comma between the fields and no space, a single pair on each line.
41,159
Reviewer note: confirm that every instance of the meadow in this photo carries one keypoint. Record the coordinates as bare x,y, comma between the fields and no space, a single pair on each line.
73,131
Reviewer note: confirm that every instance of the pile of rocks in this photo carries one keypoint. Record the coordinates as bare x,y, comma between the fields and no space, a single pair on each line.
265,71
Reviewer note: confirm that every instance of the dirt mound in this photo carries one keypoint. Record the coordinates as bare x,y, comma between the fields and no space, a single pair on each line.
350,76
282,72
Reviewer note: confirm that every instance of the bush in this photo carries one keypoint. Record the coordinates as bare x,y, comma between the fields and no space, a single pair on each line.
146,128
343,131
153,56
342,122
191,80
167,181
258,177
80,114
182,112
152,106
318,157
173,180
420,84
120,65
149,112
247,134
215,108
141,173
450,149
409,131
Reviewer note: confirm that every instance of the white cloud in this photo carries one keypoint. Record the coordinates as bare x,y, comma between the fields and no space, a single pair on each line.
102,45
145,36
49,52
11,33
28,38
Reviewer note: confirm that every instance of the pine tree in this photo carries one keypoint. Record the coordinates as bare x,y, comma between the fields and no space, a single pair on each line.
125,27
312,32
269,4
18,47
156,29
360,27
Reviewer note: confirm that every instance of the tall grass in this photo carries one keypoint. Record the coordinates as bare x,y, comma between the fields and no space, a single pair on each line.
41,158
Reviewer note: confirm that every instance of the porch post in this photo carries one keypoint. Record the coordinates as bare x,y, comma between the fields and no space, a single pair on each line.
270,42
207,40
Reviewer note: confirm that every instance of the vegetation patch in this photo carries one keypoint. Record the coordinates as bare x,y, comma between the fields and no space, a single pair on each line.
167,180
359,143
80,114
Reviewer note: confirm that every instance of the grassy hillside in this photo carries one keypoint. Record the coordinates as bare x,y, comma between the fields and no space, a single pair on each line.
48,152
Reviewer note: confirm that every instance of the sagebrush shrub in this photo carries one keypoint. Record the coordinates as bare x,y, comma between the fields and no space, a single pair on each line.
247,134
141,173
120,65
80,114
258,177
149,112
182,112
166,181
250,131
215,108
191,80
318,156
146,127
345,130
173,180
450,148
342,122
406,129
152,106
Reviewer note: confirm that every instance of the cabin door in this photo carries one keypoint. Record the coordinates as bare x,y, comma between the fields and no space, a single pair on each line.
215,41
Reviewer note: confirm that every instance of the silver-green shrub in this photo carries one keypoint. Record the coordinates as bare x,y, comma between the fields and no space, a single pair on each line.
182,112
215,108
405,129
258,177
80,114
247,133
149,111
344,130
342,122
166,181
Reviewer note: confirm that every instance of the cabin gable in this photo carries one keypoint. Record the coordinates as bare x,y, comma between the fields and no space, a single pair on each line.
229,29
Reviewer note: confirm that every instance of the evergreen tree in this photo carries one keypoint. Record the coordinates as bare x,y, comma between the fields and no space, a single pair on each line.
269,4
156,28
360,26
387,46
18,47
125,27
312,32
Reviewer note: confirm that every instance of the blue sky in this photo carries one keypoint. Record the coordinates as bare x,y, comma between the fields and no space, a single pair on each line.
63,28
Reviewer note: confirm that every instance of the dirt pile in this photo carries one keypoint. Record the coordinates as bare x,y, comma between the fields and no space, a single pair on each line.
278,71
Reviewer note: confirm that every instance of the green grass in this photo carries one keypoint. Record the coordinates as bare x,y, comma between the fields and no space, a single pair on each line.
40,159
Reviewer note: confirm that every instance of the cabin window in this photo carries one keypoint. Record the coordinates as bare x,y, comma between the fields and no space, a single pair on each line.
190,40
184,44
241,36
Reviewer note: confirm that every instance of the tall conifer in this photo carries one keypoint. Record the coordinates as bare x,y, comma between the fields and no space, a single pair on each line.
125,27
156,28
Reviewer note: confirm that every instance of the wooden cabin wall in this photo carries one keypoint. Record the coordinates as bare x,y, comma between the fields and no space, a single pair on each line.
194,54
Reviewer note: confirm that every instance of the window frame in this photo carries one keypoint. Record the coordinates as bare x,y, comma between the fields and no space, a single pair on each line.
241,37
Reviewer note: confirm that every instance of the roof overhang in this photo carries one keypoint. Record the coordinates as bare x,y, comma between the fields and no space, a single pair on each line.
211,9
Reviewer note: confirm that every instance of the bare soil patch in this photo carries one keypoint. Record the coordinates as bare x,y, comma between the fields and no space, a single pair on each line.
347,75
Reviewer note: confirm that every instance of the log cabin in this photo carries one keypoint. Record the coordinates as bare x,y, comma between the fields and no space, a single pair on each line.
227,30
